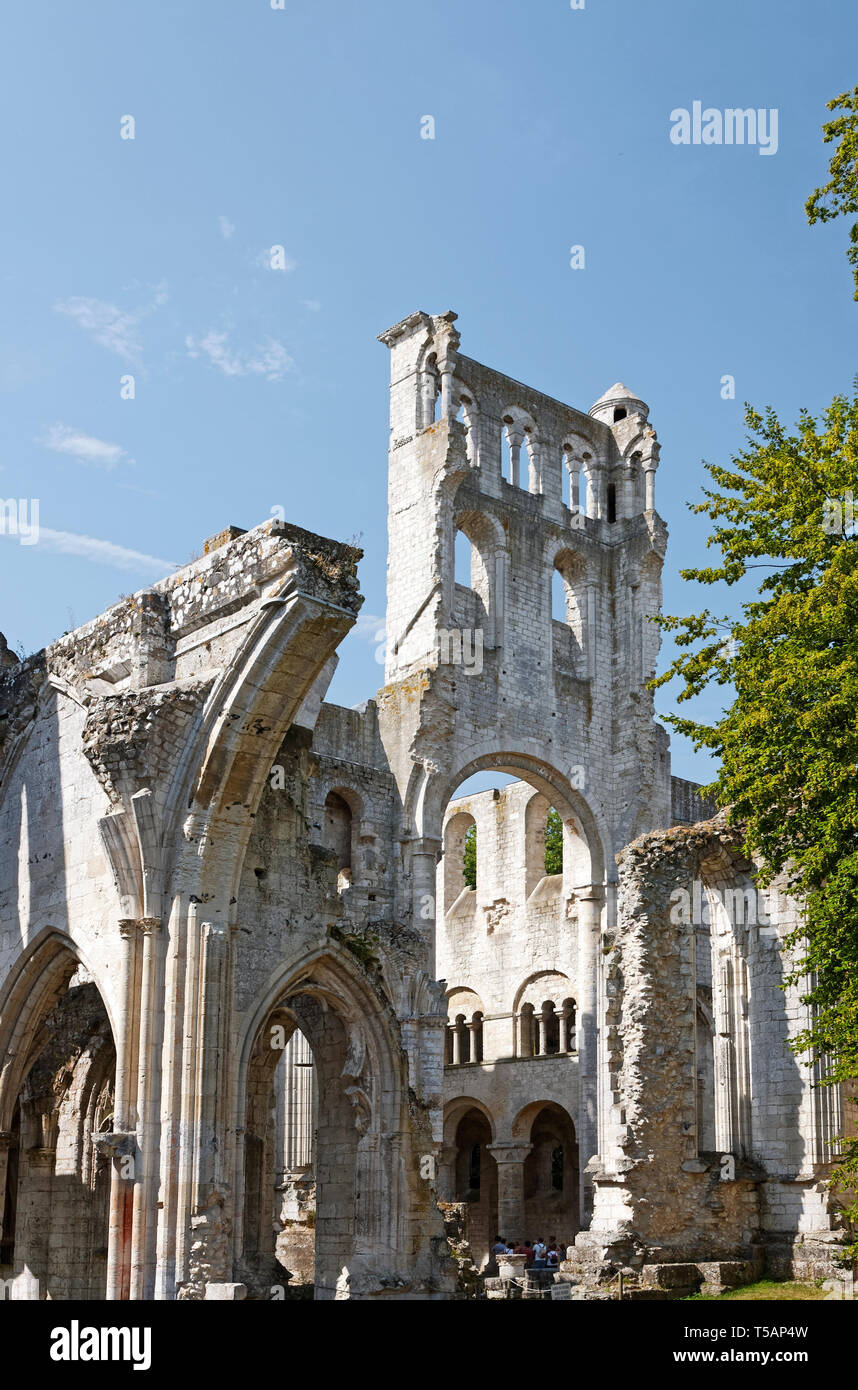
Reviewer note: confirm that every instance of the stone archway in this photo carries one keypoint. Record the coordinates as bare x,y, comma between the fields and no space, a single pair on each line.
366,1179
57,1093
470,1173
551,1179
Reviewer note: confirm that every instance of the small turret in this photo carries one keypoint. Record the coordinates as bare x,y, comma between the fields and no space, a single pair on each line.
618,403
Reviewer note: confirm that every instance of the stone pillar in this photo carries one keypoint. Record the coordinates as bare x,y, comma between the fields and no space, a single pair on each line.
542,1047
589,626
564,1028
510,1158
34,1216
428,394
457,1045
650,485
473,1032
515,437
447,1172
5,1146
589,936
574,466
445,369
425,854
125,1117
145,1186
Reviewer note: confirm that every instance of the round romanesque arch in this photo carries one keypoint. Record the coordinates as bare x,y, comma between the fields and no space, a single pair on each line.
431,788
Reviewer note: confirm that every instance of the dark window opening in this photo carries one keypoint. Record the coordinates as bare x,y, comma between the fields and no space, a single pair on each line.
474,1169
619,413
557,1168
612,502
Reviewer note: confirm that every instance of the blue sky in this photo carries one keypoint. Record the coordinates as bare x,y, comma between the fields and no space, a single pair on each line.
257,388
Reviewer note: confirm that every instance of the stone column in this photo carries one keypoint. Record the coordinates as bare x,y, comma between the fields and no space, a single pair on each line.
589,938
124,1117
424,860
515,436
542,1047
445,368
447,1172
589,626
649,467
510,1158
5,1146
564,1028
145,1186
34,1216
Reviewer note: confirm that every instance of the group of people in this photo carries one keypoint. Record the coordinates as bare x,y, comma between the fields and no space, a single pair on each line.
538,1254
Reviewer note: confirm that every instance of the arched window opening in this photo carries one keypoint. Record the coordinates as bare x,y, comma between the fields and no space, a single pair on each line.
459,862
475,1175
569,613
432,391
619,413
612,502
464,1034
545,1026
543,835
474,565
558,597
338,834
464,566
551,1173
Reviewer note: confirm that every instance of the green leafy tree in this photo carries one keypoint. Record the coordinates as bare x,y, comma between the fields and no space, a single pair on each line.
553,843
469,858
839,197
788,739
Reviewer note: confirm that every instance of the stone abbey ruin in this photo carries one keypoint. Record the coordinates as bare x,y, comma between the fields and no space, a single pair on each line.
256,1021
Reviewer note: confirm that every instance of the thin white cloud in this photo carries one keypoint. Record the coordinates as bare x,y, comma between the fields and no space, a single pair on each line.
113,328
100,552
96,453
368,627
269,359
226,227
